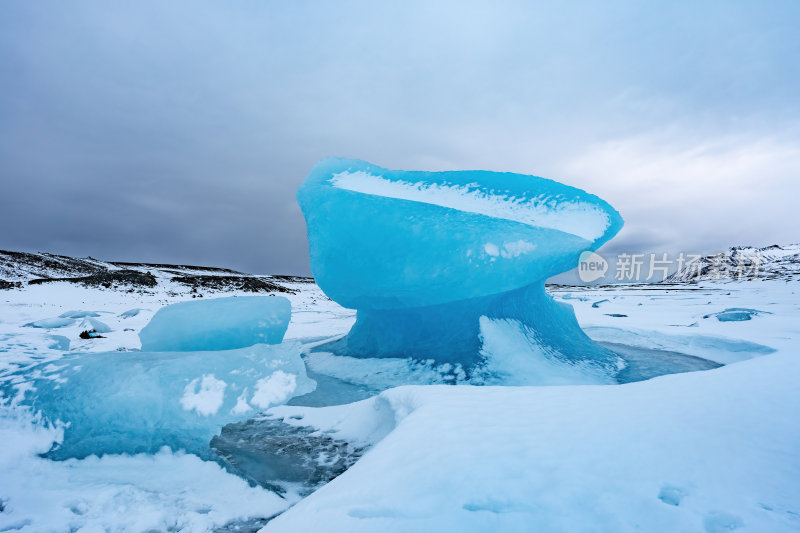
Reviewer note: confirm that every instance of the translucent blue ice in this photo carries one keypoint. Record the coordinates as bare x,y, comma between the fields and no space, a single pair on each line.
133,402
423,255
217,324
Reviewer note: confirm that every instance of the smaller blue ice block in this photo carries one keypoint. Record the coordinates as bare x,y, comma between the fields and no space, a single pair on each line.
138,402
217,324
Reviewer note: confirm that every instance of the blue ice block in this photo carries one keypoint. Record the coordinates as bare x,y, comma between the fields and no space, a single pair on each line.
217,324
137,402
423,255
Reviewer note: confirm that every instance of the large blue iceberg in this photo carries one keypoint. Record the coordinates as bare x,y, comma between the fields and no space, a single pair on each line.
423,256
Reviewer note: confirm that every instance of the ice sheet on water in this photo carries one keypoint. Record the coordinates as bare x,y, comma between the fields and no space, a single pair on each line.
472,244
217,324
736,314
512,354
709,347
130,312
132,402
381,373
645,363
167,491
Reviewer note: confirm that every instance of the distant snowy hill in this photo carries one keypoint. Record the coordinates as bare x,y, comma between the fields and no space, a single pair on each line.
21,268
744,263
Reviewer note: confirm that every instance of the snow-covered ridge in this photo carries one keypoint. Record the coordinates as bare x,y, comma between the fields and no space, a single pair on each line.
21,268
741,263
577,218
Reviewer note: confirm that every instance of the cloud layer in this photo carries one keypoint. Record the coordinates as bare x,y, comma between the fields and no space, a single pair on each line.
180,131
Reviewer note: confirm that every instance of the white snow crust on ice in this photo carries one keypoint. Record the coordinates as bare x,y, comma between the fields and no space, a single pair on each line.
205,397
274,389
578,218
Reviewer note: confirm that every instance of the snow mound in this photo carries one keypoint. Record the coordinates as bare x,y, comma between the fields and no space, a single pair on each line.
686,452
217,324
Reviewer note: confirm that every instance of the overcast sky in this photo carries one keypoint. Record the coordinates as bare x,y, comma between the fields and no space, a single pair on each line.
179,131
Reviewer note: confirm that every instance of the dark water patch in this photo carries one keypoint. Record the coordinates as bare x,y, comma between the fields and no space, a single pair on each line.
281,456
647,363
250,525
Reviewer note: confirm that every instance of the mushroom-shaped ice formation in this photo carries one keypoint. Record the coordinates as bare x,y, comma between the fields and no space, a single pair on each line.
423,256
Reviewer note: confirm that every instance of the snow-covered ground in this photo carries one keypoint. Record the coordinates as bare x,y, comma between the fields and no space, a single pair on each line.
714,450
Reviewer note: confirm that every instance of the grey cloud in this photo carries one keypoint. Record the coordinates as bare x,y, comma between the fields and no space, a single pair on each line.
180,131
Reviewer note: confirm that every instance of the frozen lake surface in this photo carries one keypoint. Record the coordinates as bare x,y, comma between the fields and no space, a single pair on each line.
398,444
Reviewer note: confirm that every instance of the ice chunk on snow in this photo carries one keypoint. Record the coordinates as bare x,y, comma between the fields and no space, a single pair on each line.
130,313
97,325
79,314
217,324
48,323
131,402
423,256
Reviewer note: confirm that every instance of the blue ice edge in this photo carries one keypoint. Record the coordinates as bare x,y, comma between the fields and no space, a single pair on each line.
423,256
139,401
